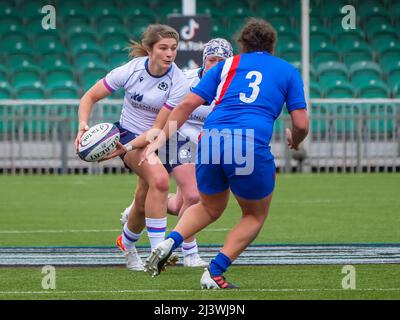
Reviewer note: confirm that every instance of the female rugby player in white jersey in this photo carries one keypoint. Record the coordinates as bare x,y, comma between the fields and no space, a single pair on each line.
153,86
182,167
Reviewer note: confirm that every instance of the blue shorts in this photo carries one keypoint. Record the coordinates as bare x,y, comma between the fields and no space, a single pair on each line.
249,181
125,137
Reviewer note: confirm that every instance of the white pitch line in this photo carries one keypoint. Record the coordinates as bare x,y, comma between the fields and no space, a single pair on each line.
192,290
86,231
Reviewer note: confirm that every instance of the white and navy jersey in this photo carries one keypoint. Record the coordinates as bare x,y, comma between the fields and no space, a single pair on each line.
145,94
192,127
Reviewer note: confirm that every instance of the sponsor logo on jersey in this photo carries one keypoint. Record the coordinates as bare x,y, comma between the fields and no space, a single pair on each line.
141,79
163,86
137,97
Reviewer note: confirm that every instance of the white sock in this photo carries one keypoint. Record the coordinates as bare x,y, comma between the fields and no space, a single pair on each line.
189,248
129,238
156,230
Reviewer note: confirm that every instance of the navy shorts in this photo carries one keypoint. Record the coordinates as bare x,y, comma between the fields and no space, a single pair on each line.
177,151
252,180
174,153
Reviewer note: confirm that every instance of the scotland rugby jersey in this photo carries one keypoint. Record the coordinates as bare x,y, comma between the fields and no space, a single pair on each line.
192,127
249,91
145,94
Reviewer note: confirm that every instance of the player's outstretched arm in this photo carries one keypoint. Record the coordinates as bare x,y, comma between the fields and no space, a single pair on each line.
175,120
94,94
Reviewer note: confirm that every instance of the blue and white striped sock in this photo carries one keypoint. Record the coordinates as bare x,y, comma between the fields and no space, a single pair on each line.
189,248
129,238
156,230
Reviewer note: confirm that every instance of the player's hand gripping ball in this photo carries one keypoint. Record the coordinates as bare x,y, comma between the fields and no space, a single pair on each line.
99,141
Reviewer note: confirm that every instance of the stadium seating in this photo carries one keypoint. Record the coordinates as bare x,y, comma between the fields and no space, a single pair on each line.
97,33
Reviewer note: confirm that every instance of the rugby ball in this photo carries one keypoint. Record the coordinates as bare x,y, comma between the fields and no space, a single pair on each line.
99,141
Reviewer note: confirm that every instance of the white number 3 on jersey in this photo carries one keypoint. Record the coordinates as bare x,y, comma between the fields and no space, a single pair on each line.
253,85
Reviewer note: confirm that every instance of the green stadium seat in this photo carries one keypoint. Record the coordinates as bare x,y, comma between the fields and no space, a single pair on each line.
340,89
5,91
59,76
53,58
164,11
319,34
394,77
391,68
84,48
396,90
383,29
382,39
54,63
140,15
267,10
389,55
105,30
17,61
68,90
358,52
10,24
109,39
288,36
289,51
3,72
34,25
32,10
90,77
88,57
332,68
7,10
12,37
32,92
373,89
105,10
117,59
371,8
26,76
8,46
95,66
345,39
220,31
73,21
77,39
137,32
316,91
45,46
323,52
151,4
82,30
395,9
365,70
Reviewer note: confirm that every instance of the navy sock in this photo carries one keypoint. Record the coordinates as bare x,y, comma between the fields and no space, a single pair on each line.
178,239
219,264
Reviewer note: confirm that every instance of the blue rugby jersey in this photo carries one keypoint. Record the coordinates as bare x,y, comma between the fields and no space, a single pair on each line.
250,90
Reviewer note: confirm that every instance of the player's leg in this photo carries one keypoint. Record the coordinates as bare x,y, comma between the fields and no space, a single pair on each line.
175,202
194,219
133,228
186,180
155,204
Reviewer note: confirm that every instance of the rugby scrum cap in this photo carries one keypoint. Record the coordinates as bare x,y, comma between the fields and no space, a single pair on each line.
218,47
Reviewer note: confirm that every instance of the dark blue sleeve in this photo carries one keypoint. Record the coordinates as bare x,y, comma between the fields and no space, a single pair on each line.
207,87
295,94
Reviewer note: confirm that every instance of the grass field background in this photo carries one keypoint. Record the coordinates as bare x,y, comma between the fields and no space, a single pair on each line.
325,208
